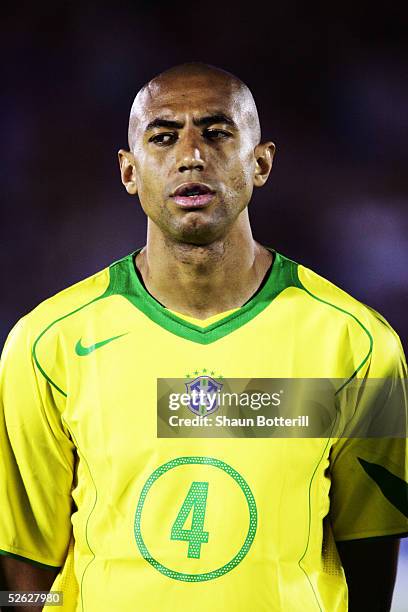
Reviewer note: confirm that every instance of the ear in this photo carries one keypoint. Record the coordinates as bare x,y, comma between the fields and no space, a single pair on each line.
128,171
264,153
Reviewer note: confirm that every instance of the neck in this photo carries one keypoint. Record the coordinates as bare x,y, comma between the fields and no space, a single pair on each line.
203,280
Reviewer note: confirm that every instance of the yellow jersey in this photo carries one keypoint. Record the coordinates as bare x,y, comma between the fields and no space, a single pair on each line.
137,521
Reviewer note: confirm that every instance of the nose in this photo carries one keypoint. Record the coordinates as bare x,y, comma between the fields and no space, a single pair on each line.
191,160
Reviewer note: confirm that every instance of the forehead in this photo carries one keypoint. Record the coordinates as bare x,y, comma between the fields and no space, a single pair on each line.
195,96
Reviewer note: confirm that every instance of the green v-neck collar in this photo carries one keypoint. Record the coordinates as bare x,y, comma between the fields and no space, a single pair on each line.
124,281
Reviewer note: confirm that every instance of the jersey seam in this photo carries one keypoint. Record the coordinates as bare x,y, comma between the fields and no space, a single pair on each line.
350,314
106,293
89,515
310,516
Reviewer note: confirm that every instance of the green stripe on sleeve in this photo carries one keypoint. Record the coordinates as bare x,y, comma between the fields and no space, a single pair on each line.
395,489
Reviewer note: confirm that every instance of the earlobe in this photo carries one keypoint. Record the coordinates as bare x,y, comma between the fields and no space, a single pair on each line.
131,188
127,171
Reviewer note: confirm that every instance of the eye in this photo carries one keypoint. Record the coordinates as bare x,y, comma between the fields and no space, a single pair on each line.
215,134
163,138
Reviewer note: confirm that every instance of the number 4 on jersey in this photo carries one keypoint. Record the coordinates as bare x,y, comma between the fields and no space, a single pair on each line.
196,536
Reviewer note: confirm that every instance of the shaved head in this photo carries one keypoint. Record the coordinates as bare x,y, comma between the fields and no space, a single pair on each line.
195,129
195,74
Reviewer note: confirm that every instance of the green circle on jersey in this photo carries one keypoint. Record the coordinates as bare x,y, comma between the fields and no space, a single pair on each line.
216,573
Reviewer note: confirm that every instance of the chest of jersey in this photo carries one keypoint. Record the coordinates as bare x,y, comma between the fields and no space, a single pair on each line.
189,510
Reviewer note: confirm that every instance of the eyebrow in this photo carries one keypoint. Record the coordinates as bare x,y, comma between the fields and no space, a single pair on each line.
216,118
203,121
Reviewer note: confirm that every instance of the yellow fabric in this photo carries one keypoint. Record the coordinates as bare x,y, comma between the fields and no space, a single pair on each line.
204,322
78,442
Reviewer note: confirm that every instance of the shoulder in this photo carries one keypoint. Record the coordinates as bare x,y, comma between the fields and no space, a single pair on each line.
62,304
338,307
320,290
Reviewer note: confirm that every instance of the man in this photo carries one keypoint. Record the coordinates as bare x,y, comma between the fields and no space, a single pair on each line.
130,520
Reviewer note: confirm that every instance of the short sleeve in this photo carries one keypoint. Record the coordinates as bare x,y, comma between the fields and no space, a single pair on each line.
36,459
369,471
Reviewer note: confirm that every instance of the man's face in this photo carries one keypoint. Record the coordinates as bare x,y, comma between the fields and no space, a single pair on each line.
193,156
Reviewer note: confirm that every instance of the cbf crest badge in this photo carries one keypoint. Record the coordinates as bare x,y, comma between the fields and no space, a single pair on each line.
203,392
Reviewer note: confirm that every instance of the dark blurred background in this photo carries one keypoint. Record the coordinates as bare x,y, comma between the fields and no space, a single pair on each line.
332,91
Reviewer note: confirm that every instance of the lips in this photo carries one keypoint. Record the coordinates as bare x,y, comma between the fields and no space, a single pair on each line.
193,195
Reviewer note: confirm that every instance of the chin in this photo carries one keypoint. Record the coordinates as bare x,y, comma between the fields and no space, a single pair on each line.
196,239
200,233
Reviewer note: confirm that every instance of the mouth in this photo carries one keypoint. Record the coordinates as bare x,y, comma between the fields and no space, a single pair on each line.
193,195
